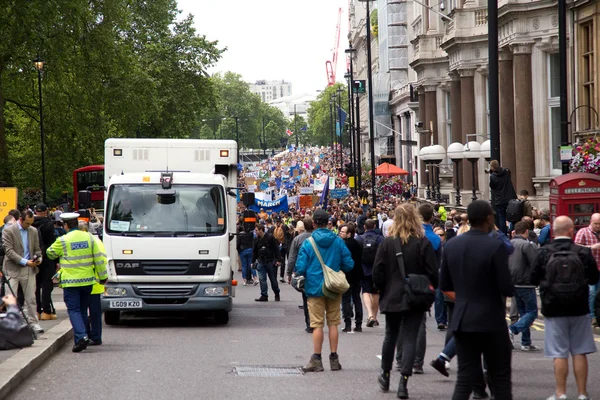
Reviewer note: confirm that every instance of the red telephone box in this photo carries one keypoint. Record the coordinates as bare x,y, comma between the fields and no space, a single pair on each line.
576,195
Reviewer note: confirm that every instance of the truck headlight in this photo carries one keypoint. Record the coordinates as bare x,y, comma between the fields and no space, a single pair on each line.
115,292
216,291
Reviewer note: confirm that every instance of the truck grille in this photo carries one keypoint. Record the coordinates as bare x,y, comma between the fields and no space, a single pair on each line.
165,267
165,290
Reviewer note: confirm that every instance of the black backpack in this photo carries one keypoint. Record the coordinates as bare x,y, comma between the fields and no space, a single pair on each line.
565,282
370,246
515,210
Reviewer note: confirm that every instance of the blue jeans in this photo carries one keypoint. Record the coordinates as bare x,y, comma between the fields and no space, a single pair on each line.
440,308
264,270
501,216
246,259
527,305
94,323
593,290
450,349
77,300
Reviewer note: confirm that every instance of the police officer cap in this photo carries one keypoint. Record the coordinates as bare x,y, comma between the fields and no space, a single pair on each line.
68,216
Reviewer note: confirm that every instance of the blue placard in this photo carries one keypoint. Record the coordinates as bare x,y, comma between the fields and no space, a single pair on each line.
275,206
338,193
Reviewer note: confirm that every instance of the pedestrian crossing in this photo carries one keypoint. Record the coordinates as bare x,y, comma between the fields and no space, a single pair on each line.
539,326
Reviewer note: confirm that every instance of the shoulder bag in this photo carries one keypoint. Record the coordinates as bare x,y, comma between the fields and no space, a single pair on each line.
419,295
335,282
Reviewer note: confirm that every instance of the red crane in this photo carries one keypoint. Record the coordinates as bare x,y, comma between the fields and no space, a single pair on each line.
331,66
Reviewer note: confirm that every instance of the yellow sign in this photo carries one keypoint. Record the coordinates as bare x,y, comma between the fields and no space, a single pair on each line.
146,179
351,181
8,201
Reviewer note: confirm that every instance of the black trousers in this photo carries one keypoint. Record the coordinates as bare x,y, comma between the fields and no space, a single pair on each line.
284,253
305,309
496,350
44,287
421,344
352,295
410,322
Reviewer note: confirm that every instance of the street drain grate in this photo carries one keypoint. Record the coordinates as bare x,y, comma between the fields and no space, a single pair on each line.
267,371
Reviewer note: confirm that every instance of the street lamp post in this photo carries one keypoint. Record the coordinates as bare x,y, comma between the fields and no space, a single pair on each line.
455,153
472,152
424,156
353,117
339,115
39,65
295,126
332,128
351,127
437,153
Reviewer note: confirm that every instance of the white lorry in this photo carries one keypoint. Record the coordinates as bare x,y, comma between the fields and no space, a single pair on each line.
169,226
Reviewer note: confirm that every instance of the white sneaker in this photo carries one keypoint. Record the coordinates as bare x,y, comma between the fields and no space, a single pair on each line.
38,329
447,366
554,397
583,397
511,336
530,348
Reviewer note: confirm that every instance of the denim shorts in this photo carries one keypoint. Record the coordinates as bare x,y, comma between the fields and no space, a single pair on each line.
568,335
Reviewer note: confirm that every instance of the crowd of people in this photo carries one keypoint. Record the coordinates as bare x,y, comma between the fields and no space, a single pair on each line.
393,253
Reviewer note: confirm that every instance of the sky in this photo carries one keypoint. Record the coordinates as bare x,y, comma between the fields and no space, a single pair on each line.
274,39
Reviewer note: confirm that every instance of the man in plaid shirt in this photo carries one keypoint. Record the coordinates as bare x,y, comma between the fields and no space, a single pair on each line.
590,237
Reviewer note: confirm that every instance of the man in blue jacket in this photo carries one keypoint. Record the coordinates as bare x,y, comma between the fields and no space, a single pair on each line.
336,256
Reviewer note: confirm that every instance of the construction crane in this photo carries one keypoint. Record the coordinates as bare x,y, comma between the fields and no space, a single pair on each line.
331,66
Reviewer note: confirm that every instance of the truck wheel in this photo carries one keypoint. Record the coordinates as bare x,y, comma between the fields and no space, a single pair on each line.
112,317
222,317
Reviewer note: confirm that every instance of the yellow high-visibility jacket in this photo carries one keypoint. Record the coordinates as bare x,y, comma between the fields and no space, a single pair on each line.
82,259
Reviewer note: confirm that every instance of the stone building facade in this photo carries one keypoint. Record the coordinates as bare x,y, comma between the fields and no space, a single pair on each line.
447,97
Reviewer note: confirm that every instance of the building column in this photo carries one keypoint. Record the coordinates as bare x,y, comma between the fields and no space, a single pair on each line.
467,120
524,156
507,113
431,123
455,115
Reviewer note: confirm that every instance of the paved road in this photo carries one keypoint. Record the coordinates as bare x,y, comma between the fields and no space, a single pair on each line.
175,359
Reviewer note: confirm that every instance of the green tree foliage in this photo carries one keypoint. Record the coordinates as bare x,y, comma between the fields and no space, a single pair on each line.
235,101
114,68
320,116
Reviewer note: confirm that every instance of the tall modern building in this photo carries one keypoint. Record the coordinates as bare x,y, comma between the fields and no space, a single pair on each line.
271,90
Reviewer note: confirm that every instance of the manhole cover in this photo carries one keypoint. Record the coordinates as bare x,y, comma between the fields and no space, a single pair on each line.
267,371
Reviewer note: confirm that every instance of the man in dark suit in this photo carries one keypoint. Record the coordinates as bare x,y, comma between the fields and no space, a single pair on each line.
479,279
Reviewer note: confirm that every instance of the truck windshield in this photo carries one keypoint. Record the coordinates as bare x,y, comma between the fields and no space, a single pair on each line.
194,209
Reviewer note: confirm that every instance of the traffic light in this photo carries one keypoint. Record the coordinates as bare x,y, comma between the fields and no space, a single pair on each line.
349,169
359,86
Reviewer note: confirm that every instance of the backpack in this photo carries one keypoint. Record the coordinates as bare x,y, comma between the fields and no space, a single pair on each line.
370,246
565,282
515,210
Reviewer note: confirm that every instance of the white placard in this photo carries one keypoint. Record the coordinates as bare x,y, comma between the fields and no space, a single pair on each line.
119,226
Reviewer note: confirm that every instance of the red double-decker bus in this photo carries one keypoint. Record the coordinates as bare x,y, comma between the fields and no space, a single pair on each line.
92,178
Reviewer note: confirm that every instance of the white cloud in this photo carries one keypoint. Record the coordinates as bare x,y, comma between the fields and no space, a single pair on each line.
274,39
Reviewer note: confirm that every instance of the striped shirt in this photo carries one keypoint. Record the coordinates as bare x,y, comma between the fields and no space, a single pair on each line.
587,237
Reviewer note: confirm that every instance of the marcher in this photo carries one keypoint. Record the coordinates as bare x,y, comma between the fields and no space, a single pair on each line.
370,241
44,286
590,237
352,296
266,253
418,258
23,257
82,265
304,229
563,271
336,256
478,322
502,192
521,264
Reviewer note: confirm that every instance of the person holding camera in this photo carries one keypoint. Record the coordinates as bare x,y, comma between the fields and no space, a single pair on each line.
502,192
21,263
14,333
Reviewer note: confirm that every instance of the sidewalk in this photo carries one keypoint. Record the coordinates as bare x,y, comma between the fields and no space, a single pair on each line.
540,316
17,365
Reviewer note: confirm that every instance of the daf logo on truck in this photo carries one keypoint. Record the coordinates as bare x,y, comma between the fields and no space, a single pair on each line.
128,265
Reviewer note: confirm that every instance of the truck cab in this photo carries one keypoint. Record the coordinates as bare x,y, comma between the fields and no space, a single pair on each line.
169,226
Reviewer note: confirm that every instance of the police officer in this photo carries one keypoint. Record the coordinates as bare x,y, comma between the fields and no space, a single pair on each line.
82,265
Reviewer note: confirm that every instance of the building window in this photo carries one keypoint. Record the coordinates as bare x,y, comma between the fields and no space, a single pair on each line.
587,73
448,119
554,108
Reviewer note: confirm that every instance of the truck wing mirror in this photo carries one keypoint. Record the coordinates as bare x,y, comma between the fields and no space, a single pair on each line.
248,199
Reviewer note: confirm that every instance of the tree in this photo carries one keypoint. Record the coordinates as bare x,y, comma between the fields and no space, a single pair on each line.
320,116
114,68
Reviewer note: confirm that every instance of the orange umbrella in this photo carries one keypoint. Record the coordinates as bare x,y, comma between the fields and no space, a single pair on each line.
387,169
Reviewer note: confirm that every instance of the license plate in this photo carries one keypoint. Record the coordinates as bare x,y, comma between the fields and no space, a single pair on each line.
125,304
